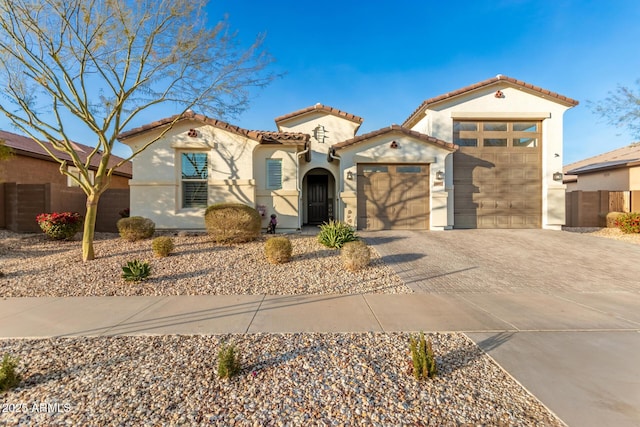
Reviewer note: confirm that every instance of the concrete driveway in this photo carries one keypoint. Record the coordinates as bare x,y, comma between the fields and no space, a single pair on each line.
572,303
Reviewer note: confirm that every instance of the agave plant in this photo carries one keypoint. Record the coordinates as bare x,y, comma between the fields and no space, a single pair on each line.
136,271
334,234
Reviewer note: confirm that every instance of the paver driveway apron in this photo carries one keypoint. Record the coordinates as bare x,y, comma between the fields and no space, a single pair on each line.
569,303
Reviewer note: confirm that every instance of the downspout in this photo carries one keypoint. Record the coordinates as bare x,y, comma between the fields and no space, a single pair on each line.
299,184
338,208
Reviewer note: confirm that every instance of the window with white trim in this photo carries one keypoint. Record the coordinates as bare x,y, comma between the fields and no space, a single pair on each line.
194,180
274,174
76,172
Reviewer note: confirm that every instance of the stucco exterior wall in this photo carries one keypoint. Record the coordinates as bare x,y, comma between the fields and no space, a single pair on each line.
634,178
611,180
156,186
282,202
515,104
336,129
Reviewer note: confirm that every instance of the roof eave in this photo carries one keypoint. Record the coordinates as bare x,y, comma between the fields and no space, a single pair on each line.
500,79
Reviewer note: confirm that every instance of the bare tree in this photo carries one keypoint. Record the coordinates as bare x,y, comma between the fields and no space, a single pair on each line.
98,64
621,108
5,152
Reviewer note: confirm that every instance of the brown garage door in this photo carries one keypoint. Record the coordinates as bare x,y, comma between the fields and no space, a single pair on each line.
497,175
393,196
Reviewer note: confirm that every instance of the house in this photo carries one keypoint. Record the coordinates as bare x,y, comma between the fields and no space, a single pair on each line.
31,183
616,170
488,155
608,182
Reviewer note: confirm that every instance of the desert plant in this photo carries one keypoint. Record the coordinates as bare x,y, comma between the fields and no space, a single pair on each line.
136,271
278,250
629,222
8,376
228,361
162,246
612,217
60,225
334,234
135,228
424,361
232,222
355,255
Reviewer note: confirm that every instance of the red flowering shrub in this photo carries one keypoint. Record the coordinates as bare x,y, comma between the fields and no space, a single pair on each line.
60,225
629,222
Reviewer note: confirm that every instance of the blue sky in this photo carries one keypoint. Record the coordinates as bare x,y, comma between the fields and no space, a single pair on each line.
380,59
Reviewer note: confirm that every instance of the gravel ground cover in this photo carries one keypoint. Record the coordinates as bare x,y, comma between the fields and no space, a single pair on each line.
34,266
287,379
609,233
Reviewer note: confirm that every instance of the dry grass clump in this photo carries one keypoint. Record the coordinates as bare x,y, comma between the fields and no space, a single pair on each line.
278,250
612,217
162,246
136,228
232,222
355,255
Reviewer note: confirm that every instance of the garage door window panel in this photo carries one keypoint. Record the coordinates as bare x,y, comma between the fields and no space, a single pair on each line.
496,134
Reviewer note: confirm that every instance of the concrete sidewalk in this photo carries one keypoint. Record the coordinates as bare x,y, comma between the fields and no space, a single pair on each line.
206,314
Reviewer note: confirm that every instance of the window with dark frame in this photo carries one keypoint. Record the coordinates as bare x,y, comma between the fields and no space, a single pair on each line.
194,180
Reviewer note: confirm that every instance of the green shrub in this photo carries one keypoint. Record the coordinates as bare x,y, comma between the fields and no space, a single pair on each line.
228,361
232,222
355,255
629,222
135,271
334,234
135,228
422,357
8,376
612,217
60,226
278,250
162,246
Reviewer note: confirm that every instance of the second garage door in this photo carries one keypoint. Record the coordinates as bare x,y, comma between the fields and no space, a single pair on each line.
497,175
393,196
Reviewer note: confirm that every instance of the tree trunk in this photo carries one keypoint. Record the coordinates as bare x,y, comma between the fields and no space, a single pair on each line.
89,227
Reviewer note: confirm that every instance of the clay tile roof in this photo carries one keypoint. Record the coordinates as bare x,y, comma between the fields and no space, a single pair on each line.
323,108
263,137
26,146
395,128
499,78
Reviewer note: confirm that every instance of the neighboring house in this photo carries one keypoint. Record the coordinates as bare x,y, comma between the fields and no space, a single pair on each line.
608,182
617,170
31,183
484,156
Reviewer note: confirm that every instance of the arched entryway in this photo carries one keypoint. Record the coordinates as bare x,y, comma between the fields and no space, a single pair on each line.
318,196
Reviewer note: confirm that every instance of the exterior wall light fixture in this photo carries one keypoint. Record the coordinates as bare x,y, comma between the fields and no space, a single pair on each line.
557,176
440,175
350,175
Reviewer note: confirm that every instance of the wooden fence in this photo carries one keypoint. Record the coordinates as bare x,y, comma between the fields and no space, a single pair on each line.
590,208
21,203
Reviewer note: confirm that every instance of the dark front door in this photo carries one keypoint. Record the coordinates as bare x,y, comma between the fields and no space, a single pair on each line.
318,211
